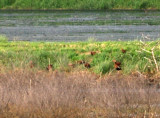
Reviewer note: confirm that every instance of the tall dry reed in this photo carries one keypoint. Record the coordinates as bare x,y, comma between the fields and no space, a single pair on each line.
81,94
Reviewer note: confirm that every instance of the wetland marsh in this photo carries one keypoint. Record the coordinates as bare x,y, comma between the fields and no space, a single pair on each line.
35,40
71,26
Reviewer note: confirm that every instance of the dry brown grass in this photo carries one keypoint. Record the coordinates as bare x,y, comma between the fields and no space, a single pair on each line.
79,94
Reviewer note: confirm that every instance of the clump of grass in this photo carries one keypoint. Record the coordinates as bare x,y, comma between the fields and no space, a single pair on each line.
104,67
145,5
3,39
92,39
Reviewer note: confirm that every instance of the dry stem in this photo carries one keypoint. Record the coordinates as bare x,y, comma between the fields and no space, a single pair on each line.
154,59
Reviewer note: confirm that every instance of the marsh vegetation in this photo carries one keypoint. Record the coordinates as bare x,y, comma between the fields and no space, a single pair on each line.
50,79
79,79
68,26
79,4
139,56
31,94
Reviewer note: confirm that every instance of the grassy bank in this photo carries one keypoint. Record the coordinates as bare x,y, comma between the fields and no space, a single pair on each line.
29,90
80,4
64,56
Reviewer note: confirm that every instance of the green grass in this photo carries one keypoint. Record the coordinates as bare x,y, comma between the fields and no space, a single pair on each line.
80,4
19,54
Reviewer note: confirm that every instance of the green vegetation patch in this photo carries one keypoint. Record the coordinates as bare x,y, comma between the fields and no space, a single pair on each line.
139,56
80,4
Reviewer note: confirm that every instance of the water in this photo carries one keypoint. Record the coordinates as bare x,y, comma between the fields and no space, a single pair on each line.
80,25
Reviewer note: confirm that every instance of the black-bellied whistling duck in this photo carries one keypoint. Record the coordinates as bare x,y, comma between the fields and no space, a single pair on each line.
71,65
31,64
49,67
87,65
93,53
123,51
117,65
151,80
80,62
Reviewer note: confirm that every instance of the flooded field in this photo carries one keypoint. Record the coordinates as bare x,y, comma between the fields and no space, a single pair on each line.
80,25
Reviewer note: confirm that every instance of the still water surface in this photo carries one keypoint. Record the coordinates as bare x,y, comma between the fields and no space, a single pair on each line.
80,25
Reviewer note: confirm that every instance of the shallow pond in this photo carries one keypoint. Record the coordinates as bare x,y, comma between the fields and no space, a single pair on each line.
80,25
